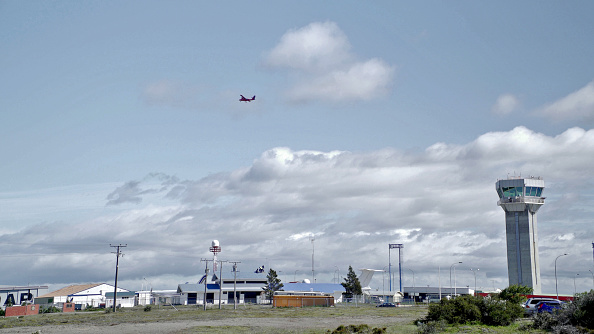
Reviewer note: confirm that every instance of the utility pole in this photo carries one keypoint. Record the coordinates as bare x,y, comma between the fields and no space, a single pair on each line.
115,289
220,282
205,280
313,273
234,283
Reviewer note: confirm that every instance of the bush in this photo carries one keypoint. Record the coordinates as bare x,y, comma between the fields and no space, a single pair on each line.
459,310
431,327
576,317
581,311
364,329
500,312
49,309
147,308
469,309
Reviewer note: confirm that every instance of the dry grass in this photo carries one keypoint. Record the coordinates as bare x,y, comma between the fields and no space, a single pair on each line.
137,315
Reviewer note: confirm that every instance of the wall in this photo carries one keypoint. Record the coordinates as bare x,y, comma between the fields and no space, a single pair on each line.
14,311
302,301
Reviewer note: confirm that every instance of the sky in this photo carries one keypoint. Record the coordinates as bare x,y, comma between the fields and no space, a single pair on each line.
374,123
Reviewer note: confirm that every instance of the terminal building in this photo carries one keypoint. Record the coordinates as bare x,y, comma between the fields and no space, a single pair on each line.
520,198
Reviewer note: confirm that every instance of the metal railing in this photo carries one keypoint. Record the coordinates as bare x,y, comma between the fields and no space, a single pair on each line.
521,199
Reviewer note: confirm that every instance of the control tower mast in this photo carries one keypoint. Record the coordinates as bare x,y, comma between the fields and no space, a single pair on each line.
521,198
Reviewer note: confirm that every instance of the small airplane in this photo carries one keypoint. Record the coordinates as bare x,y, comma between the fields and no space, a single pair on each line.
244,99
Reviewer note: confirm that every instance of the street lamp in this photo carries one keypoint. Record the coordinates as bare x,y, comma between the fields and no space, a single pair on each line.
384,281
338,275
574,287
556,288
413,282
295,276
592,276
451,277
474,280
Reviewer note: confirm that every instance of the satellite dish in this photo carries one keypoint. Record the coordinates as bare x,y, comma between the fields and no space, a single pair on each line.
215,243
306,281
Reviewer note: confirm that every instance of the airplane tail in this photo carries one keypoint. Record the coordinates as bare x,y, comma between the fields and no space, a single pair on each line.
365,278
254,97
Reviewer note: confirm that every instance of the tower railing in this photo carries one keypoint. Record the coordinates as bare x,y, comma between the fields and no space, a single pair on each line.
522,199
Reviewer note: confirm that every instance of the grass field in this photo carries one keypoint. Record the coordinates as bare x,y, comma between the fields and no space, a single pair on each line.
246,319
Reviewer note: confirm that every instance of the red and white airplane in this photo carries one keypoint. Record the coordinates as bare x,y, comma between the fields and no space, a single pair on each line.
244,99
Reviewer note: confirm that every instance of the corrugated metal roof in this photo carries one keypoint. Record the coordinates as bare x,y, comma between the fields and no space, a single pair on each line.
70,290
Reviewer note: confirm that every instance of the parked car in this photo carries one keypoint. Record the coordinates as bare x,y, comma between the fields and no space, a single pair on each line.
530,304
386,305
549,306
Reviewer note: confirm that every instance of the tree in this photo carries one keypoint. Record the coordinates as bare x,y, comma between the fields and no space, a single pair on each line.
515,293
351,284
273,284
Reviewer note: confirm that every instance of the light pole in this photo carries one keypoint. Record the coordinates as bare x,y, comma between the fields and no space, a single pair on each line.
295,276
337,275
384,281
592,277
474,280
413,298
451,277
312,238
574,287
556,288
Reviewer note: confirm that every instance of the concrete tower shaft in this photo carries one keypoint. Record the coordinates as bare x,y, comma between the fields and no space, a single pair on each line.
520,199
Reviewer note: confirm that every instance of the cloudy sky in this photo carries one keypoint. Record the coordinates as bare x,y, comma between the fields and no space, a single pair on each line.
374,123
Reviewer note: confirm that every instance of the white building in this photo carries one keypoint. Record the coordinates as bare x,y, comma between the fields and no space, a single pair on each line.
248,287
158,297
85,294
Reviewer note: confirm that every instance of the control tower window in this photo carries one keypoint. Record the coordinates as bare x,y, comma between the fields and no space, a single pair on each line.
533,191
512,191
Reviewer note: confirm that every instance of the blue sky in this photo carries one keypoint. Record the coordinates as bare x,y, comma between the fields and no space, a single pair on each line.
120,122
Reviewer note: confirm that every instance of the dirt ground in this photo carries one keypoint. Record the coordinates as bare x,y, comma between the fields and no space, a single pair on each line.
244,325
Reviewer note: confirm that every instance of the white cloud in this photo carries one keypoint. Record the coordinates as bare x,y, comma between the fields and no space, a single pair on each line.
317,46
506,104
440,203
578,105
362,81
319,55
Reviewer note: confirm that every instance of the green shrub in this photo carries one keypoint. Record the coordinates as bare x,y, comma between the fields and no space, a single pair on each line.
49,309
147,308
470,309
515,293
575,317
459,310
431,327
500,312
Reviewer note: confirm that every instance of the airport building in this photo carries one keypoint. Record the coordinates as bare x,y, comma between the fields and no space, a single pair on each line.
520,198
17,295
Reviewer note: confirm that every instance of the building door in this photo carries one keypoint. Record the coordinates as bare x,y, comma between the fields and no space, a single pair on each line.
192,298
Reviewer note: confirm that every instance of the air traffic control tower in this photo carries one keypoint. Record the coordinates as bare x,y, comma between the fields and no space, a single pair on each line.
521,198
